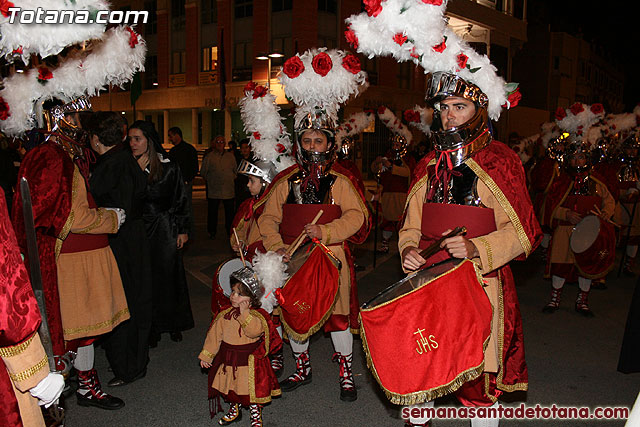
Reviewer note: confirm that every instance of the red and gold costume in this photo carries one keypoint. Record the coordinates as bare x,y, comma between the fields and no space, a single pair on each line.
506,209
395,185
581,194
541,177
245,223
238,351
24,358
81,281
349,220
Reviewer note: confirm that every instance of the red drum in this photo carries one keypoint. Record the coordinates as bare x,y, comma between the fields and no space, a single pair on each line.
593,244
426,335
310,294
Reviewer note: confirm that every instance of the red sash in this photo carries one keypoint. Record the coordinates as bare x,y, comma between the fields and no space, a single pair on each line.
85,242
296,216
439,217
308,297
425,335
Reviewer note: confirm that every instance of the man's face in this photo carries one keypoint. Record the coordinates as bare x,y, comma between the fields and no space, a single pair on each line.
456,111
314,140
218,144
245,150
174,138
579,160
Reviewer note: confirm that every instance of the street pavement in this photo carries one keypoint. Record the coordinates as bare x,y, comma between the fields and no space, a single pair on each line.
572,360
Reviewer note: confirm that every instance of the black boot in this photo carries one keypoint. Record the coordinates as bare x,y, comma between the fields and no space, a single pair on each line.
348,391
90,392
301,376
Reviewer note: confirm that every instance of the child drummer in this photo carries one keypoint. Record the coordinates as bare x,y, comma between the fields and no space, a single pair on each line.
236,349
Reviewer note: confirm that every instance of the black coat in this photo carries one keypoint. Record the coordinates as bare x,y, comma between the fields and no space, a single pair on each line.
117,181
166,214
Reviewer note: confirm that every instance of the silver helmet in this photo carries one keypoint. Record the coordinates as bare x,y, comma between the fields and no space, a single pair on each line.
576,146
463,141
262,169
316,163
249,278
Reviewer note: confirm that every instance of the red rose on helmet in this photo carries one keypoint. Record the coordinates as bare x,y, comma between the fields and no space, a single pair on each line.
433,2
250,86
4,8
373,7
133,38
577,108
322,64
597,108
44,74
560,114
259,92
462,60
412,116
280,148
381,109
351,37
293,67
400,38
351,63
441,47
4,109
513,99
256,135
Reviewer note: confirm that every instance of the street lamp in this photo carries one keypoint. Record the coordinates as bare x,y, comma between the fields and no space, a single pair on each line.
267,57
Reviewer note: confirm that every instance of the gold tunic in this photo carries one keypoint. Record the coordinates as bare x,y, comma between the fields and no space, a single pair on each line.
92,299
335,232
496,249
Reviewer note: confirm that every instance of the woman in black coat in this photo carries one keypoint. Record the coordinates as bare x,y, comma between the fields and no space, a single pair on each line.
166,218
117,181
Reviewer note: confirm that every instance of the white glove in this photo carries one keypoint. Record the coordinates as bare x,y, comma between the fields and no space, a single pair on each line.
48,390
121,215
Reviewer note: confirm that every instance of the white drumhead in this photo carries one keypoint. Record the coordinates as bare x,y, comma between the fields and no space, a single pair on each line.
585,234
224,274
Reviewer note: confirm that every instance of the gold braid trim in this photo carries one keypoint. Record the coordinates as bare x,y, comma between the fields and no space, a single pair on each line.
262,200
16,349
246,321
362,204
26,374
95,223
66,229
116,223
499,384
487,248
252,369
207,354
97,326
502,199
424,395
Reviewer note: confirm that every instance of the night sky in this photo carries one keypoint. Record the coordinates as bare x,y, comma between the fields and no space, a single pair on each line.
614,25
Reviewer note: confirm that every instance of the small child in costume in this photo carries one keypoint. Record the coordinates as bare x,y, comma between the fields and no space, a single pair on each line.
237,347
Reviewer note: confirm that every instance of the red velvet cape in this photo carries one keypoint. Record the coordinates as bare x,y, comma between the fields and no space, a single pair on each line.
394,183
49,171
19,313
499,164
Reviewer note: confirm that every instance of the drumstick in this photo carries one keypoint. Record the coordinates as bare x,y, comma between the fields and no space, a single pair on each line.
296,243
239,247
599,213
435,246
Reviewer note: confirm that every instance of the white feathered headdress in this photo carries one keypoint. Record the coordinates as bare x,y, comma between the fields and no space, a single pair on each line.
271,272
394,124
113,59
578,118
420,117
269,138
415,30
19,40
354,125
318,82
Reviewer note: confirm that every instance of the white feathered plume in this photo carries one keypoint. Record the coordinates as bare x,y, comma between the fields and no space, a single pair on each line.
394,123
355,124
420,117
548,132
578,118
621,123
23,40
415,30
114,59
272,274
269,138
318,81
524,147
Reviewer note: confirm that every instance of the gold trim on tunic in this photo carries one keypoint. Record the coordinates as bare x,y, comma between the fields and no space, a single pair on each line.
28,373
97,326
16,349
